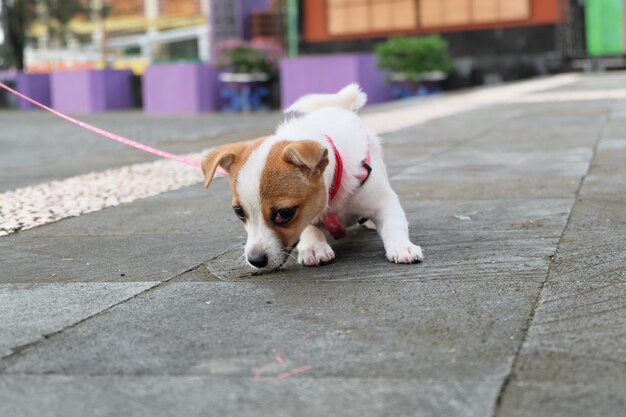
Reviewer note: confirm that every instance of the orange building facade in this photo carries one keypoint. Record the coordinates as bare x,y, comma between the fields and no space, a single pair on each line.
490,40
327,20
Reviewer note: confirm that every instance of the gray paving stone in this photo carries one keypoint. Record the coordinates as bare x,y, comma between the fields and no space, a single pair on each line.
607,178
593,81
152,257
504,239
402,330
112,396
477,174
573,361
39,147
152,239
544,156
593,247
31,311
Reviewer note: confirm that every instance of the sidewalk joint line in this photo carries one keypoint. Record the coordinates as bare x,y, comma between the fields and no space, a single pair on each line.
526,329
6,361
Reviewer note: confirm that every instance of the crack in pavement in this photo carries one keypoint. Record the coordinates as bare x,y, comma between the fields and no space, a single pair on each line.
17,351
526,330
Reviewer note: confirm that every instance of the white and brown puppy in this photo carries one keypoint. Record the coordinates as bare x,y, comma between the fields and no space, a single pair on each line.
324,168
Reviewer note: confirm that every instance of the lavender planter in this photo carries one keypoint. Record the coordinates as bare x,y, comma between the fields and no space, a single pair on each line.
329,73
7,76
35,86
180,88
89,91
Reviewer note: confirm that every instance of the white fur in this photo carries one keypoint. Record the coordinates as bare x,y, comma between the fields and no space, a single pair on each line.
351,97
332,115
347,133
313,248
261,239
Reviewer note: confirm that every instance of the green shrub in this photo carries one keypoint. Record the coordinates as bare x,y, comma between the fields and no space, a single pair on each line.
261,55
414,56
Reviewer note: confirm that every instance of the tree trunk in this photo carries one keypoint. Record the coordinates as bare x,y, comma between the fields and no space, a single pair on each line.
15,30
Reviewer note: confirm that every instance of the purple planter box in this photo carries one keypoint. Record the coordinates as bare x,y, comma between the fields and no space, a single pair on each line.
35,86
180,88
330,73
88,91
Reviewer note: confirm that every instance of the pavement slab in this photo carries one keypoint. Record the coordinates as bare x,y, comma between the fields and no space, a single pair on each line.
32,312
572,363
401,330
572,360
462,240
199,396
132,242
394,344
593,247
32,155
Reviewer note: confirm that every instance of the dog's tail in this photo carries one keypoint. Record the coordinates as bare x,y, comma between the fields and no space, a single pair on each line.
351,97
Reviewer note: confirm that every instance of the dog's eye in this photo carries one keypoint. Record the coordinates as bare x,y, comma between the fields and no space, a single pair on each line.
283,216
239,212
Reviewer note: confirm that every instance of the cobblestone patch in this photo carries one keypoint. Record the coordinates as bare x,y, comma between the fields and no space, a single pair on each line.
40,204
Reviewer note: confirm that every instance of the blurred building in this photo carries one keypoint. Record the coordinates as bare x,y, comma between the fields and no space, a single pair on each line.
245,19
489,39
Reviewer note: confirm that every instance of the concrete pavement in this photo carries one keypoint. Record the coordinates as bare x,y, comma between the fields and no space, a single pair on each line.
518,309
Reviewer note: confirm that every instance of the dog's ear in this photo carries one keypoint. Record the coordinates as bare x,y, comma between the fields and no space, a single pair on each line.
224,157
306,154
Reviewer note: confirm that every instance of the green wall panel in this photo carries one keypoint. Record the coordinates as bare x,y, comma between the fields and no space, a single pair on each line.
604,27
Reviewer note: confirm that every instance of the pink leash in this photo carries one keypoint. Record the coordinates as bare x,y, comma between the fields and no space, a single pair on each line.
106,134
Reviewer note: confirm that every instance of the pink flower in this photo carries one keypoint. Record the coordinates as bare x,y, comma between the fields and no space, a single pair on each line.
261,54
271,47
231,43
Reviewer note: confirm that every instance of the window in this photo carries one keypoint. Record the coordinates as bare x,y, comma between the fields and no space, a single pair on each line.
486,11
363,16
511,10
370,16
179,7
462,12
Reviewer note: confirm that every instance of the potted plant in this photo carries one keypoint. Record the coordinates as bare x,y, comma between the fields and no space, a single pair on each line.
247,70
416,65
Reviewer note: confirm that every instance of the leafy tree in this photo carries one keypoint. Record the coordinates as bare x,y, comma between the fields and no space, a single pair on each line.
18,15
60,13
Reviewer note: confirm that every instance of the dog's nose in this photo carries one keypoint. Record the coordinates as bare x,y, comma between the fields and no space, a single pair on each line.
258,259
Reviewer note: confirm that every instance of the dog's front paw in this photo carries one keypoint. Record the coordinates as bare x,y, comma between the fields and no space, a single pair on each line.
316,254
406,253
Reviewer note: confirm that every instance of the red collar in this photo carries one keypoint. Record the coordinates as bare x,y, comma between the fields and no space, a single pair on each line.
331,220
334,187
362,177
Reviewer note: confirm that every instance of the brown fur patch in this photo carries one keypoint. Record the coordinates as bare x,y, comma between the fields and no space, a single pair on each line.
231,158
287,183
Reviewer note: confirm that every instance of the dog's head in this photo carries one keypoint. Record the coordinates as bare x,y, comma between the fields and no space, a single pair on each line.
277,188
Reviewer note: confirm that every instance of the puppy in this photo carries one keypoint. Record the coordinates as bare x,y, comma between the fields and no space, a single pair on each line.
321,169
